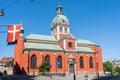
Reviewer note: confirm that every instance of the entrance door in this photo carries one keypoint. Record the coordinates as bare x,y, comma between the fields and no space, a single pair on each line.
71,68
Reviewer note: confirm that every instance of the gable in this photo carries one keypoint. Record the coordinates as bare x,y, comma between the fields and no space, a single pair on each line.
68,36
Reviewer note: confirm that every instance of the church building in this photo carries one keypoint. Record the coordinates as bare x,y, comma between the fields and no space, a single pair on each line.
60,48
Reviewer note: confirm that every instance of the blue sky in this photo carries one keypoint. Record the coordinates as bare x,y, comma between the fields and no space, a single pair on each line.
95,20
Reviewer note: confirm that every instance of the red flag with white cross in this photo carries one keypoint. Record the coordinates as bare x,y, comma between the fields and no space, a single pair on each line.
13,32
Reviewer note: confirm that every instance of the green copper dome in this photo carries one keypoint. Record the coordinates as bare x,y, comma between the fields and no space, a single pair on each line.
59,19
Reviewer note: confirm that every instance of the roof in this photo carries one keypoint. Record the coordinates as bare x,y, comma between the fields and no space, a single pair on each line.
41,37
6,59
60,17
41,46
84,49
81,41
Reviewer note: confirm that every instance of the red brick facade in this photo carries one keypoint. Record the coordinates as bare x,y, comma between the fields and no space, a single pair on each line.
89,54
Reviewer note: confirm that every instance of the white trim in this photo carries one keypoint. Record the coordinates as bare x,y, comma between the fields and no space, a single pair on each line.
72,36
63,29
58,36
64,44
75,45
68,30
55,31
58,31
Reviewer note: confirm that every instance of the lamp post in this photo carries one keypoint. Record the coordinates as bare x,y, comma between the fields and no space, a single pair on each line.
2,13
55,62
97,71
74,76
86,75
71,60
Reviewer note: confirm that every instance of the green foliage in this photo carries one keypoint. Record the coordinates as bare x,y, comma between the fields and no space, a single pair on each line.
107,66
118,70
113,71
44,67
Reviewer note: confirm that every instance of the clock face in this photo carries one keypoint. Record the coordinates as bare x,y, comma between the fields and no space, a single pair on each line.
70,44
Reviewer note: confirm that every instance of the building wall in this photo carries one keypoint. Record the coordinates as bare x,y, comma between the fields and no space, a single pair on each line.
22,61
2,67
98,56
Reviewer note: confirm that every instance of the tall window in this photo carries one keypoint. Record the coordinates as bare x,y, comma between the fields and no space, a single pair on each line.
33,61
81,62
60,29
59,59
47,58
91,62
66,29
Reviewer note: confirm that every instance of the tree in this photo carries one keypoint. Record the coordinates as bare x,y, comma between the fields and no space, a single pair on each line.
45,67
118,70
113,70
107,66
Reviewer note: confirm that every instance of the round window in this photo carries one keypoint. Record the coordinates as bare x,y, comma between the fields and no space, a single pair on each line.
70,44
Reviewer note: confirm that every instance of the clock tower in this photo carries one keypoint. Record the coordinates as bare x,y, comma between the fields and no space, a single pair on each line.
60,24
60,30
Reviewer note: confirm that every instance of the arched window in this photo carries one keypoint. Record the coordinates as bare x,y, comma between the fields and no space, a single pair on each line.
91,62
59,59
81,62
47,59
66,29
61,29
33,61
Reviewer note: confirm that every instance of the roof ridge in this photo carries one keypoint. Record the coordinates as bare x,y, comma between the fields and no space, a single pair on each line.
89,42
41,35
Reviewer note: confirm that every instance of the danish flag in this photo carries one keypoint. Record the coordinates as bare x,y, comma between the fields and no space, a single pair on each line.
13,32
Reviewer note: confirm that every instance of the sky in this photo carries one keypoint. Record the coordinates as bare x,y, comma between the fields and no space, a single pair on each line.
94,20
